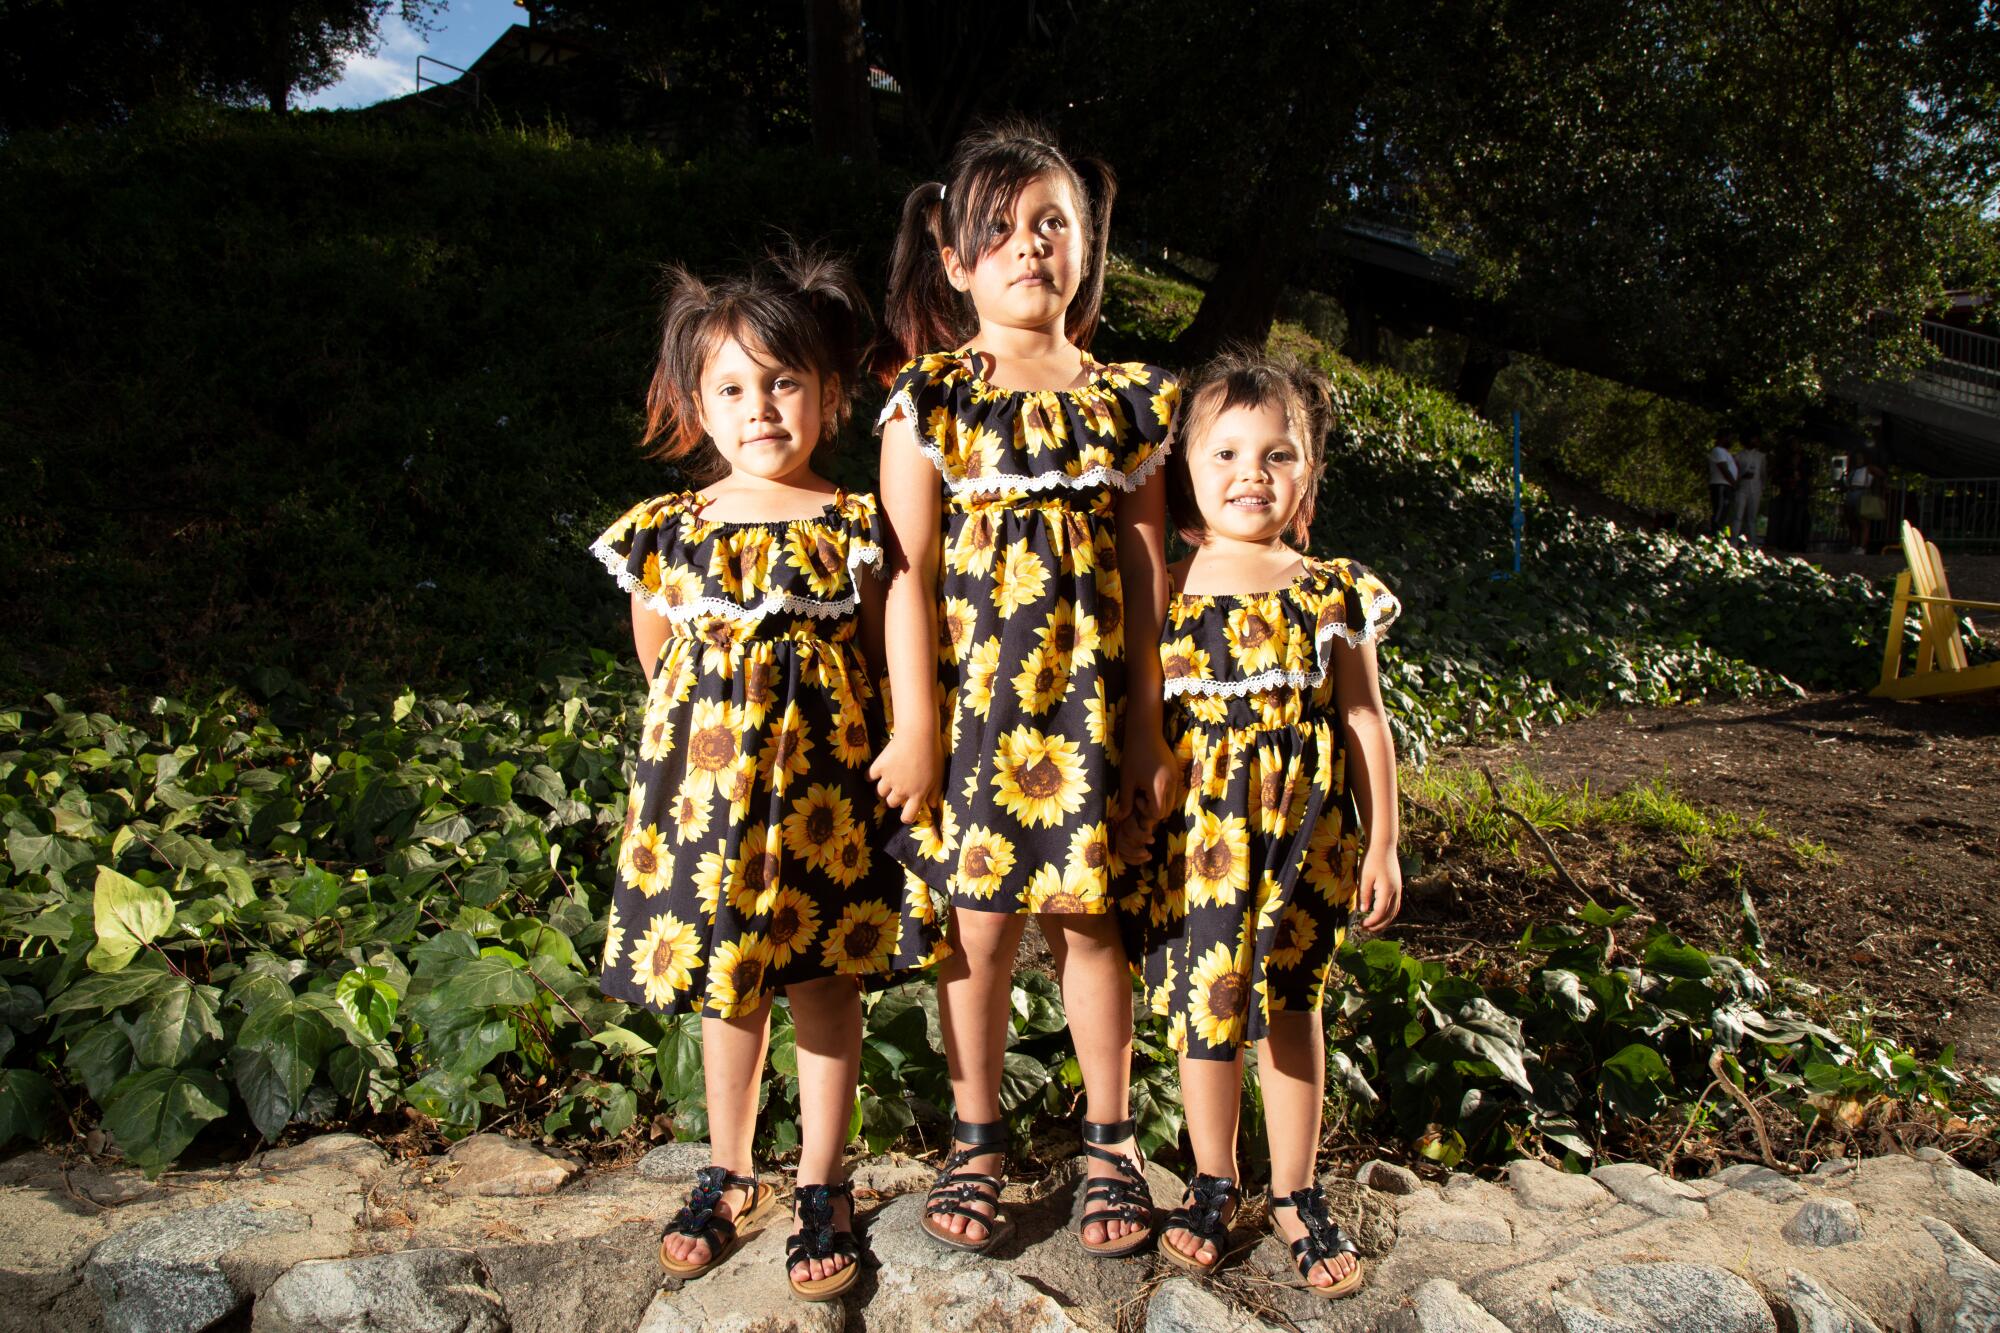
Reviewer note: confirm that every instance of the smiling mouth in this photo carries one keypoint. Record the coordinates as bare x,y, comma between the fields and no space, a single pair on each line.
1251,501
765,439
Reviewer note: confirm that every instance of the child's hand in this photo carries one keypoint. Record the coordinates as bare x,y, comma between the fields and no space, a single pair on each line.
908,774
1149,781
1380,894
1131,836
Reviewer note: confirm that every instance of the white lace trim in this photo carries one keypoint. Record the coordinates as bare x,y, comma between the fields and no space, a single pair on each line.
776,603
994,483
1374,625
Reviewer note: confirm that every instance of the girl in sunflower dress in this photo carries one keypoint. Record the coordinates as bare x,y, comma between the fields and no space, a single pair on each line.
750,863
1275,715
1021,488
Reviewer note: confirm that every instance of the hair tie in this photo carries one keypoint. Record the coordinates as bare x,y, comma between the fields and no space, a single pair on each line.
940,194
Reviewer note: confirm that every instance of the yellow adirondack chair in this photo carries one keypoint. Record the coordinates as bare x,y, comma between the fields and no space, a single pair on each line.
1942,666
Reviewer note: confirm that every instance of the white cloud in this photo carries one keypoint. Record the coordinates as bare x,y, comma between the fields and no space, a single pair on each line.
389,72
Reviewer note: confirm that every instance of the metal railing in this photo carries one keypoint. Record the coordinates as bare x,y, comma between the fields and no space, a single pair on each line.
1967,369
1960,514
455,86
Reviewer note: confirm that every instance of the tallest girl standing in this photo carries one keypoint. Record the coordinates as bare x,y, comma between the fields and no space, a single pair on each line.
1021,485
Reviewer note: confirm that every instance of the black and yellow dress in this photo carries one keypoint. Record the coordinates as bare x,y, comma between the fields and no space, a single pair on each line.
1031,627
751,857
1255,875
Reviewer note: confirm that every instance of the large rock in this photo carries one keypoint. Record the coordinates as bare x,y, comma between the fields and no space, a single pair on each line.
1662,1298
1449,1222
1976,1307
405,1291
1823,1222
1389,1178
990,1299
698,1309
673,1163
342,1152
895,1239
1438,1306
1178,1305
597,1283
1538,1185
1643,1187
1818,1310
165,1275
1761,1181
493,1164
891,1174
1972,1205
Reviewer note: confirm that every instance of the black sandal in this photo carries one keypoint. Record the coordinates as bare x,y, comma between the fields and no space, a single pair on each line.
817,1238
697,1218
1124,1199
1200,1215
956,1189
1323,1241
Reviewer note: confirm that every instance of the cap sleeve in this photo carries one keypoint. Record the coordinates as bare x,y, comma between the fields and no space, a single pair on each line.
865,541
1151,400
1355,606
634,550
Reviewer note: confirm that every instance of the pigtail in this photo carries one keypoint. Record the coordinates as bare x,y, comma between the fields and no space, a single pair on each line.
827,285
1100,187
921,311
672,416
1313,396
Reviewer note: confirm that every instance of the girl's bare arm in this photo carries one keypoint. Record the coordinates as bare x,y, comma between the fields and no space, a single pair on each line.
909,771
649,633
1371,776
1147,777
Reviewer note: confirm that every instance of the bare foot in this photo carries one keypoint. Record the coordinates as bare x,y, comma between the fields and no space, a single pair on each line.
685,1249
1099,1233
978,1198
1326,1272
812,1270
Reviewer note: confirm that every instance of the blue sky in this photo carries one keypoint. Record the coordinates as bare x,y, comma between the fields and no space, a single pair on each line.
464,30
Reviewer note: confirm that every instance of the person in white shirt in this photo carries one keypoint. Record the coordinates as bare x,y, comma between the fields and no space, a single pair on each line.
1721,478
1749,491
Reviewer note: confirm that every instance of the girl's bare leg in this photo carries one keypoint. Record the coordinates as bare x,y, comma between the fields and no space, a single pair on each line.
826,1016
1097,984
732,1055
973,1009
1292,1061
1212,1098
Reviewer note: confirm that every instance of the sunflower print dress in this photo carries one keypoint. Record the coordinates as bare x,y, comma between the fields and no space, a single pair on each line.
750,857
1031,628
1257,872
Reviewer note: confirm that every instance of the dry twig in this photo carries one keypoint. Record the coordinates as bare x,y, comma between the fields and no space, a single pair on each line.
1548,849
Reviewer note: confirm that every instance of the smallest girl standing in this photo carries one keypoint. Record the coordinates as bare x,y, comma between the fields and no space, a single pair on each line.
749,863
1275,714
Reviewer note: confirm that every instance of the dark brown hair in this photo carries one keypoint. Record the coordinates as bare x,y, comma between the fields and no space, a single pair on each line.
1241,377
986,175
801,306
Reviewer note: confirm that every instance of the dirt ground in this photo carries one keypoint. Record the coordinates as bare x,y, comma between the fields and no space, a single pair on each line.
1877,874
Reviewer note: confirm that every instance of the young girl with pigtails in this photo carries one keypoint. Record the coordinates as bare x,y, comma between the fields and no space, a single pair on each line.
750,862
1021,487
1275,714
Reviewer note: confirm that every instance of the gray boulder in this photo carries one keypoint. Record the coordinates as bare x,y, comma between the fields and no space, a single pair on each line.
1824,1222
1538,1185
1389,1178
165,1275
1662,1298
1761,1181
1438,1306
1178,1305
1818,1310
674,1163
1976,1302
1643,1187
493,1164
404,1291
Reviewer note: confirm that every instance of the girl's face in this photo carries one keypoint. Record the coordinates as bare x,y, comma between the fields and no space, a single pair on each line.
1248,474
1033,262
764,418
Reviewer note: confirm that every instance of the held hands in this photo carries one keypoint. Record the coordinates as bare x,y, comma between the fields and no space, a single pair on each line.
908,774
1148,788
1380,893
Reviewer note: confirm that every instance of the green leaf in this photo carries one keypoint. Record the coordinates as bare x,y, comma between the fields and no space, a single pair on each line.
27,1104
103,991
532,938
623,1042
128,916
1636,1080
100,1057
1022,1076
495,787
177,1025
1666,953
277,1052
46,851
368,1000
465,1041
154,1115
1484,1033
484,983
680,1059
1156,1105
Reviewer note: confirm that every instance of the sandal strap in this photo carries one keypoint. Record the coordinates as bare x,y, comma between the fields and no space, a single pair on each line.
1324,1238
817,1237
698,1218
1116,1132
1200,1213
955,1187
980,1133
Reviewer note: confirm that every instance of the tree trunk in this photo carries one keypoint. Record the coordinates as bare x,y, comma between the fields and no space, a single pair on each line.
838,66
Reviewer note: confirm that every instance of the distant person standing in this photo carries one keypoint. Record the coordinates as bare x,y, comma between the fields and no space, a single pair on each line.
1721,480
1791,506
1864,503
1749,491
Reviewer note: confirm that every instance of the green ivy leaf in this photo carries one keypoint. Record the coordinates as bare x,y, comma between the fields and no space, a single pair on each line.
100,1057
369,1001
1022,1076
1636,1080
177,1025
128,916
27,1103
154,1115
277,1052
104,991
